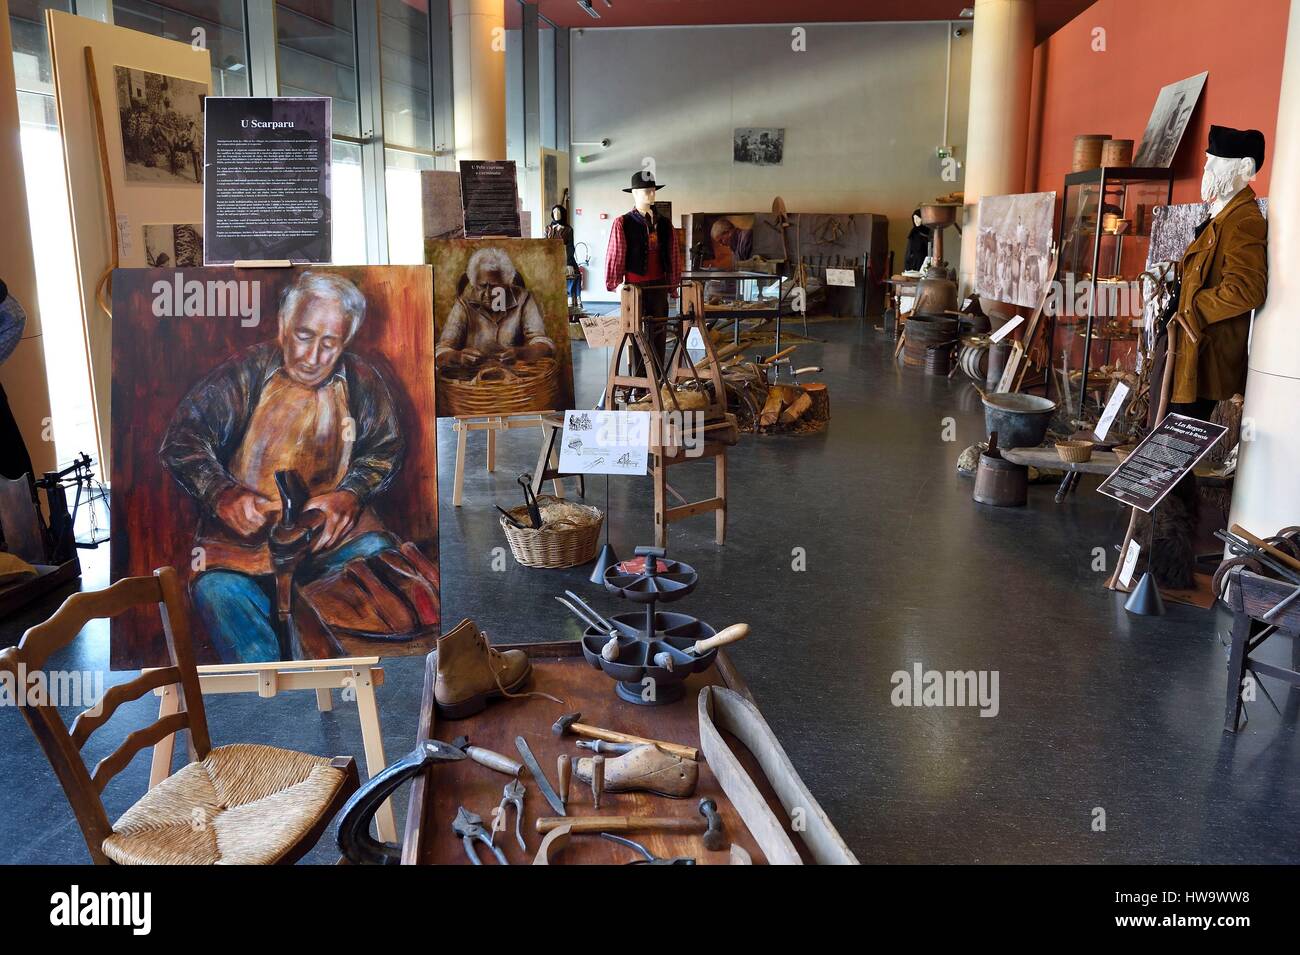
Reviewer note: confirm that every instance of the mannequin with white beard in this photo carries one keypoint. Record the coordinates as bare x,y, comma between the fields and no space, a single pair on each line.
1224,277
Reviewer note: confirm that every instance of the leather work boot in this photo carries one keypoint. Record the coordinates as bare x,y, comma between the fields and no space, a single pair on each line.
470,672
646,768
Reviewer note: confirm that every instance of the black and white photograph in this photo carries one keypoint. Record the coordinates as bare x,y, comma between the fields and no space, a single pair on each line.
1015,244
759,146
162,127
173,246
1168,121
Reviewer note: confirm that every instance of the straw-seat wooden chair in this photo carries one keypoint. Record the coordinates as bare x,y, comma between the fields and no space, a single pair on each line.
238,804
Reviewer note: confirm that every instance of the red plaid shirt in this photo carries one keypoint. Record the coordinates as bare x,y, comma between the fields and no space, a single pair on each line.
616,258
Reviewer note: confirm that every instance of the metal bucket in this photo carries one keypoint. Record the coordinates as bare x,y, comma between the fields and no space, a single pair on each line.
1020,420
1001,483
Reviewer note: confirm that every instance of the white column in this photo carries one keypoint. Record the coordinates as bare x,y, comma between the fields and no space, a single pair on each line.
23,375
997,133
1267,493
478,40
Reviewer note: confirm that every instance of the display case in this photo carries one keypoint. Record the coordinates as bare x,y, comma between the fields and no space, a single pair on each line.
1104,236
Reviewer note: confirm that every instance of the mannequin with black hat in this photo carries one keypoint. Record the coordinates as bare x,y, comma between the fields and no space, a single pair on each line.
643,251
1224,276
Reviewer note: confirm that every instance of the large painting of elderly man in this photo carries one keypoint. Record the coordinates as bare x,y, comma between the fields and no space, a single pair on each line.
502,324
273,435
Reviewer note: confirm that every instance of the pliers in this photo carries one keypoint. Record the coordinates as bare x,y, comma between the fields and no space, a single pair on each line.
513,796
470,829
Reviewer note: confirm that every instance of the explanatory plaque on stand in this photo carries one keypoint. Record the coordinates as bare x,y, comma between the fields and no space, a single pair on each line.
266,191
1161,460
490,196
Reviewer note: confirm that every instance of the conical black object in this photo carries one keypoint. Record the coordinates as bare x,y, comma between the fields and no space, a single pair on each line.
1145,599
605,560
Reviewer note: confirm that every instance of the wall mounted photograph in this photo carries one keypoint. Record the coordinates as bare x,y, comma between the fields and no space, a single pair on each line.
162,126
285,461
758,146
1014,248
1168,122
168,246
502,322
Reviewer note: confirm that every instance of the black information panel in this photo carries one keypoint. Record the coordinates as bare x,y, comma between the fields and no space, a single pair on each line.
266,192
1162,459
490,197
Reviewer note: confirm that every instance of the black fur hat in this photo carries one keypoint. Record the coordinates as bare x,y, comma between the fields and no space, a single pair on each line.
1229,143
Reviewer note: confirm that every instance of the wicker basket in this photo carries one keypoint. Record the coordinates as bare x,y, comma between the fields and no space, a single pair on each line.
1122,451
501,389
1074,452
569,535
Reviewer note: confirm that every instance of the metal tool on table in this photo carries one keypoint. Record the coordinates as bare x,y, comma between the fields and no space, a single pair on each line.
530,500
715,840
543,784
564,776
572,723
623,823
512,795
597,780
469,827
489,758
579,608
558,838
601,746
732,634
354,839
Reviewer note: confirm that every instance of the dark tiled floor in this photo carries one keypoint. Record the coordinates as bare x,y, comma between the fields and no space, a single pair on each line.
1097,709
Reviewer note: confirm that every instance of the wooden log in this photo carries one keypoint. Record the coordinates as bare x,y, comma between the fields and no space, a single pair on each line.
818,415
796,409
771,412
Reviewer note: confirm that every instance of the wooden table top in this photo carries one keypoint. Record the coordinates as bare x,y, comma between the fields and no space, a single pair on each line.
561,670
1046,459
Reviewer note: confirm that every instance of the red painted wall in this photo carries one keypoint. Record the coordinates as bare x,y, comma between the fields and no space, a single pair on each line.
1149,44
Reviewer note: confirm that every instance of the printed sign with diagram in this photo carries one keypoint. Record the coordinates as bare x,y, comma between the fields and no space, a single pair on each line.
605,442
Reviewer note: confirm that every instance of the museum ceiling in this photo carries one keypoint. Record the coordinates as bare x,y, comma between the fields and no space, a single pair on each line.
1051,14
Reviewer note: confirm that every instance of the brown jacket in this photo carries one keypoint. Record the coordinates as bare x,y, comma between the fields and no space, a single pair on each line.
1225,276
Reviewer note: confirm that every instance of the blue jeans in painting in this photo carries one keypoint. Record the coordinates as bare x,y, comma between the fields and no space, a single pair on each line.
236,608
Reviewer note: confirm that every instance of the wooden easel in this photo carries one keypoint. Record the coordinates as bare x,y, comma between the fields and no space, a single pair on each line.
464,424
667,449
356,674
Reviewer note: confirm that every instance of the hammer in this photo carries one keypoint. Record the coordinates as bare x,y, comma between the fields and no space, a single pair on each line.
568,723
734,633
714,838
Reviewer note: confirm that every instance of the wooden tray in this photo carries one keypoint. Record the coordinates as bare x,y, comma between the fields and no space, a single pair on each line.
559,669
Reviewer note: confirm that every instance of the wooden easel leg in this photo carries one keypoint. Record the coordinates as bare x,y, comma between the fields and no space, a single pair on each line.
372,738
169,702
558,483
491,449
720,489
324,702
458,483
543,456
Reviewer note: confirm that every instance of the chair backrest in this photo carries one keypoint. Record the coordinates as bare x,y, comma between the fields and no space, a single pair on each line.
63,746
